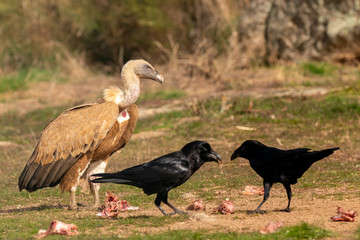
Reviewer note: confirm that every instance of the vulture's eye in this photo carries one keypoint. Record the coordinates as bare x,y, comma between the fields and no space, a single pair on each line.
147,67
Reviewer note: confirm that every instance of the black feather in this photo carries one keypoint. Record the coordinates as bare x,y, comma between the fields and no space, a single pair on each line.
279,166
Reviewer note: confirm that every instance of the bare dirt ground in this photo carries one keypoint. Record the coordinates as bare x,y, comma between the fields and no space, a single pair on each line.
305,208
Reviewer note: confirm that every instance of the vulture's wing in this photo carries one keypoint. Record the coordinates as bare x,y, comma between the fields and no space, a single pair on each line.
64,140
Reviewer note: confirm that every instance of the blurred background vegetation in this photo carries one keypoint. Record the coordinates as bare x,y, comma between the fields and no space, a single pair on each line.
46,38
42,33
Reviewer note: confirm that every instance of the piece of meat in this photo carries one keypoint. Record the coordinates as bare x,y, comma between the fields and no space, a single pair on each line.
57,227
113,206
344,216
196,206
271,227
350,213
253,190
225,207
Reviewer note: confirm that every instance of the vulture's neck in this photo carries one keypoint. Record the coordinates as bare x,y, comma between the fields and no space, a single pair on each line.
129,93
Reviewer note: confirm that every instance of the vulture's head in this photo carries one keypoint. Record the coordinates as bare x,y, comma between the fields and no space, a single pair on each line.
131,73
143,70
248,149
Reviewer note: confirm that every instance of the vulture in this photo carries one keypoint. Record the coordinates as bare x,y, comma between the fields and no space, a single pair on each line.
79,142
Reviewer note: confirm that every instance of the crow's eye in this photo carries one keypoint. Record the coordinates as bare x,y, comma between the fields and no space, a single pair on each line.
206,148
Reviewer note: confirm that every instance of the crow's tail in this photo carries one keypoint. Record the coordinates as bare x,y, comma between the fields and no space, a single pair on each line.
109,178
318,155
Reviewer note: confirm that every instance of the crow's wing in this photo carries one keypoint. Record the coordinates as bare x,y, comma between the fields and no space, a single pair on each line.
273,161
168,168
160,174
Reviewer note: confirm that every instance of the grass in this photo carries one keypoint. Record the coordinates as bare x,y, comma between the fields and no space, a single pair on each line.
318,68
358,233
20,80
302,231
160,95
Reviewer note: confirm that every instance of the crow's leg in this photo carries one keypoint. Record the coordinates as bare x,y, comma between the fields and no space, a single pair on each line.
158,202
289,195
267,187
165,200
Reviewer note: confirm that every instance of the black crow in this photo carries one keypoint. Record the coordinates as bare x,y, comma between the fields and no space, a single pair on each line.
276,165
164,173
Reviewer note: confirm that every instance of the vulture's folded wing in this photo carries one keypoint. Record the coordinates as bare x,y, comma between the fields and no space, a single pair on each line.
64,140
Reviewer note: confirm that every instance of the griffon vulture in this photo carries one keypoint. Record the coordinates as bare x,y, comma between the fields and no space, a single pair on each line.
79,142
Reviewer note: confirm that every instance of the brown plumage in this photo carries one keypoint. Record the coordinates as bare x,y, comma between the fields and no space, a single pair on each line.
79,142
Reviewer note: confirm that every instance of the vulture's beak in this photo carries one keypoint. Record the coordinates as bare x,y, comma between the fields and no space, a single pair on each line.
158,77
216,157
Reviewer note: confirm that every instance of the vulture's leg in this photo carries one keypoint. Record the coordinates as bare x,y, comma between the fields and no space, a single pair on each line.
165,200
73,205
158,202
267,187
289,195
94,168
95,190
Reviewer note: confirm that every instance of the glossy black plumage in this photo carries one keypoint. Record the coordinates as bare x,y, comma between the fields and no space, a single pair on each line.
276,165
164,173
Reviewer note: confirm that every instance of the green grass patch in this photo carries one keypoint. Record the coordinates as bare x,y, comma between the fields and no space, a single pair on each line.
358,233
20,80
162,120
160,95
318,68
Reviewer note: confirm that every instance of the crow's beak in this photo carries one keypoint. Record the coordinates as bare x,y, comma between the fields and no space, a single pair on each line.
234,155
216,157
158,77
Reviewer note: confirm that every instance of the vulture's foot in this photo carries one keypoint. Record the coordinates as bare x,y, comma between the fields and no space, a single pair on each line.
72,207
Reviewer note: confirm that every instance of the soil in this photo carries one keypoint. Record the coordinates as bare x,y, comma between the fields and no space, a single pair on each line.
305,208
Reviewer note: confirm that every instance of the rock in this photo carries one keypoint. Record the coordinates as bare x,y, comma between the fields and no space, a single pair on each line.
188,196
251,29
202,217
312,29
